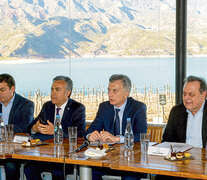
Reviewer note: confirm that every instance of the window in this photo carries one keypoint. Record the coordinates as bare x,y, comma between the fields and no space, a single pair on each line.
89,41
196,38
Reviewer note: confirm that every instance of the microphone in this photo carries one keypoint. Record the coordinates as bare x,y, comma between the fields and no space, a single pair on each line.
85,144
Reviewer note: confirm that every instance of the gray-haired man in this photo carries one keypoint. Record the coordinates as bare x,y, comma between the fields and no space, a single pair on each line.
71,113
105,126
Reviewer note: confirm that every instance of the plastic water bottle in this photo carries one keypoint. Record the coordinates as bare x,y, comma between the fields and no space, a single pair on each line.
129,136
58,132
2,129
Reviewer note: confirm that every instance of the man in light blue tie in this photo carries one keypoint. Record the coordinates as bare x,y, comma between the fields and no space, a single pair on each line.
110,122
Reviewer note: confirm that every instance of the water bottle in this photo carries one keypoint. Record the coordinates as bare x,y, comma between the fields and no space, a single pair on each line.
58,132
129,136
2,129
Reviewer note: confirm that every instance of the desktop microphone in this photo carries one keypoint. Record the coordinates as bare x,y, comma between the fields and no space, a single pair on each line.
85,144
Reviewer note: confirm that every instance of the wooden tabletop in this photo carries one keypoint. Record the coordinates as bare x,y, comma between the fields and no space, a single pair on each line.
195,168
119,159
54,153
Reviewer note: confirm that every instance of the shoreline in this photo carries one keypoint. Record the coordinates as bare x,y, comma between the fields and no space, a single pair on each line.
40,60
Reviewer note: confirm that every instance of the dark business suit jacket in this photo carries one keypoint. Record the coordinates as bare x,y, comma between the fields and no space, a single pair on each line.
175,130
105,118
21,114
74,115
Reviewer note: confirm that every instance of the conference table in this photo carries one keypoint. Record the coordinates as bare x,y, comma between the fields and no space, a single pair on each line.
117,159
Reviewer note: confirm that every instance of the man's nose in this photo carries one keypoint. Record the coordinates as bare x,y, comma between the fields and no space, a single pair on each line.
52,92
186,97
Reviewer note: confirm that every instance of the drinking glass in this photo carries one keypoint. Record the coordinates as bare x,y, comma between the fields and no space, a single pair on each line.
72,133
9,132
144,140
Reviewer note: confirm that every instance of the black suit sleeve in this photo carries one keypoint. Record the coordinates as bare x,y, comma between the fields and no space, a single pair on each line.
26,117
175,130
78,119
140,122
40,116
169,130
97,124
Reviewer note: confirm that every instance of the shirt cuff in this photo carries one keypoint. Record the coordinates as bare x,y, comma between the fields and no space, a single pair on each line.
32,132
121,139
88,136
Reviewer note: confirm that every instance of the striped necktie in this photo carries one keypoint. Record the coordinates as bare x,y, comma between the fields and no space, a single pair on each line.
57,111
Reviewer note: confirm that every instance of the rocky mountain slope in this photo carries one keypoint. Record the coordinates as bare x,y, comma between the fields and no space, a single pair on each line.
55,28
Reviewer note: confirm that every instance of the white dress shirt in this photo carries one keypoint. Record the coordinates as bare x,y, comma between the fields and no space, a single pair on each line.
61,111
194,128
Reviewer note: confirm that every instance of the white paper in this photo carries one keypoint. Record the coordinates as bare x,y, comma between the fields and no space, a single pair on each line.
20,139
158,151
176,146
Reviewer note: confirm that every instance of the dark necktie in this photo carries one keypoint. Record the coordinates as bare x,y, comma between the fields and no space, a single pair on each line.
117,123
57,111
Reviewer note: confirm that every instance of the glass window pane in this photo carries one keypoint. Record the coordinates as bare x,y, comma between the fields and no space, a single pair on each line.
136,38
196,38
89,41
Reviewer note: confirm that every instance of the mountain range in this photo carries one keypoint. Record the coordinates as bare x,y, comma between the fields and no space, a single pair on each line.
57,28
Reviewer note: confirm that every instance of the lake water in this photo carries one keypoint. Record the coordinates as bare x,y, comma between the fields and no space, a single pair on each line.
95,72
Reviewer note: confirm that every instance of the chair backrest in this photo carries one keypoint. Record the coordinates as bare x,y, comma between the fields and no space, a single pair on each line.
155,133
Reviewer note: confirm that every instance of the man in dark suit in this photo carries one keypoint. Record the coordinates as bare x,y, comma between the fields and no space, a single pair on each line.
104,126
194,107
188,121
71,113
16,110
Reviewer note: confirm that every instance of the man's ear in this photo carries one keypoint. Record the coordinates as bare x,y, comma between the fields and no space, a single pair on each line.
127,93
204,94
13,89
68,93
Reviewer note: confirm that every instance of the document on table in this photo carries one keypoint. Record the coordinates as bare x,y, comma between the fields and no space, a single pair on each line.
164,149
20,139
176,146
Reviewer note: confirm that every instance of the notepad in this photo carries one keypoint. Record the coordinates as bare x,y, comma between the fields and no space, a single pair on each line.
20,139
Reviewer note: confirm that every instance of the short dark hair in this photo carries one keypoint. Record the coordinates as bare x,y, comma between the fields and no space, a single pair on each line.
7,78
201,80
125,80
69,82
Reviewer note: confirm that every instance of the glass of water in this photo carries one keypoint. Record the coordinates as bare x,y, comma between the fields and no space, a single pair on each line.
144,141
72,133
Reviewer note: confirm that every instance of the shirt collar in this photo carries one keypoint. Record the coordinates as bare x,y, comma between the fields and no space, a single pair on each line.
62,107
122,107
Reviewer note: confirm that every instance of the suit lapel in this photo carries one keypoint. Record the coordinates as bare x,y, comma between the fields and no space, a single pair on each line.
13,109
204,125
52,115
111,122
66,111
183,122
125,115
